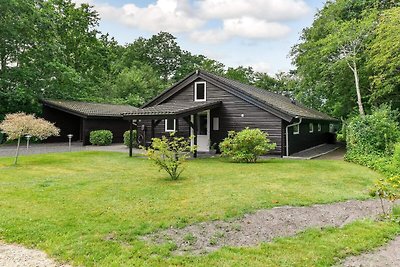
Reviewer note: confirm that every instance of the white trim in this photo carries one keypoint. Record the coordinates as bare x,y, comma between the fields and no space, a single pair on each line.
195,92
192,131
311,127
166,125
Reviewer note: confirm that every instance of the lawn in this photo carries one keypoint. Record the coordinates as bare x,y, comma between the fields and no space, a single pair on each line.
91,207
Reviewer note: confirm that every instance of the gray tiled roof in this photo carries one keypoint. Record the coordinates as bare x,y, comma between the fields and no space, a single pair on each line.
89,109
172,108
274,100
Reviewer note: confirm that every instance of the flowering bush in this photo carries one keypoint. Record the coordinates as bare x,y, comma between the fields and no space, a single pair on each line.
18,125
246,145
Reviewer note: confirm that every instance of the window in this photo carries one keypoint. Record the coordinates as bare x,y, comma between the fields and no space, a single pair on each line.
332,128
311,127
200,92
319,127
296,129
216,124
170,125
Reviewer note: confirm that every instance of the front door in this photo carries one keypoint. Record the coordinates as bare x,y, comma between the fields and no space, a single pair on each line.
203,131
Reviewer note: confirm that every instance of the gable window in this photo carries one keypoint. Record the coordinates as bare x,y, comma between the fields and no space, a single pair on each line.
311,127
296,129
200,91
170,125
319,127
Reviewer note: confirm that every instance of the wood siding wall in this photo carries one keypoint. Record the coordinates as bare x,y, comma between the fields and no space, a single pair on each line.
229,115
81,127
305,139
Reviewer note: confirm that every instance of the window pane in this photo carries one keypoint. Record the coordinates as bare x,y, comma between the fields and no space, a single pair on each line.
200,91
170,124
216,124
202,124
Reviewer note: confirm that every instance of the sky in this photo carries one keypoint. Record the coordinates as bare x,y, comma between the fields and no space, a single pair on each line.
256,33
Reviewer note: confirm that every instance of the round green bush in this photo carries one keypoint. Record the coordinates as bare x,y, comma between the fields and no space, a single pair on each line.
246,145
101,137
127,139
376,133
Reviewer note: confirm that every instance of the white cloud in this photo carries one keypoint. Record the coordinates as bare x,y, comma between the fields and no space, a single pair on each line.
261,67
245,27
270,10
165,15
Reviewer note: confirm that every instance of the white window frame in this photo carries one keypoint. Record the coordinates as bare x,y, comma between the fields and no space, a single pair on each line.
195,92
319,127
298,129
311,127
166,126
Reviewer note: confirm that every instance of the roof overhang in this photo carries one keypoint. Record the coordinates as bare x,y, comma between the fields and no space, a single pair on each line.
171,110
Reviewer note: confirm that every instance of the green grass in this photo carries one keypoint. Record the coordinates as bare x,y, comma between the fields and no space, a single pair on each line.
91,207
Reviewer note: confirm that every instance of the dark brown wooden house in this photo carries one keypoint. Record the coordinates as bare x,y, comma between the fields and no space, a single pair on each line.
80,118
207,106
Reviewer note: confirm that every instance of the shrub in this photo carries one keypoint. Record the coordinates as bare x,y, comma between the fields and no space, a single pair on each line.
388,189
101,137
127,138
169,154
396,157
376,133
246,145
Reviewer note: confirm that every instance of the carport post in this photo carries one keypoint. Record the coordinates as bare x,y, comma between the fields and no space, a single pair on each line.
130,137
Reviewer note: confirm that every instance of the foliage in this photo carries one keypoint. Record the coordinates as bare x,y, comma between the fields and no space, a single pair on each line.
385,60
18,125
339,39
101,137
127,138
388,189
246,145
128,198
373,134
169,154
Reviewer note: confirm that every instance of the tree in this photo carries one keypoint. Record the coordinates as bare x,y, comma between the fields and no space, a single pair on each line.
18,125
170,153
384,60
242,74
338,38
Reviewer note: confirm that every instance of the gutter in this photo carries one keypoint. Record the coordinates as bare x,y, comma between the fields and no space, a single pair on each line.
287,134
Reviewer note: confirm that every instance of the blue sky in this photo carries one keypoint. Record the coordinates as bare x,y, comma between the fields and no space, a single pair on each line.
257,33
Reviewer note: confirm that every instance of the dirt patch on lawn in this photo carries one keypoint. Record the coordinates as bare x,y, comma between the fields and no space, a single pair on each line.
264,225
386,256
18,256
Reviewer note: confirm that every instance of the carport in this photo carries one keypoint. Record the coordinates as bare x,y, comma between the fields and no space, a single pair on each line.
80,118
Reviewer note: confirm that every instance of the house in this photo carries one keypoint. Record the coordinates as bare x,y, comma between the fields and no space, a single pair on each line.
207,106
80,118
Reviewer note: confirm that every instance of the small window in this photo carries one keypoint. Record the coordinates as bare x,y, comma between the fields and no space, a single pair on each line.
296,129
200,92
311,127
170,125
332,128
319,127
216,124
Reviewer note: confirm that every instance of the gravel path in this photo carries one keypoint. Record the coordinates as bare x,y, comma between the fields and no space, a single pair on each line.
264,225
9,150
385,256
18,256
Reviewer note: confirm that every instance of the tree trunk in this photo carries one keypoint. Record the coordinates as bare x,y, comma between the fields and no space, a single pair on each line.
17,152
357,80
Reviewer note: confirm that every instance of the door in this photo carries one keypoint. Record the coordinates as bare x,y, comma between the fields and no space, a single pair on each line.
203,131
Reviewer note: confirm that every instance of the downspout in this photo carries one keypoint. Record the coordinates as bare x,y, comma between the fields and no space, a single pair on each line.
287,134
